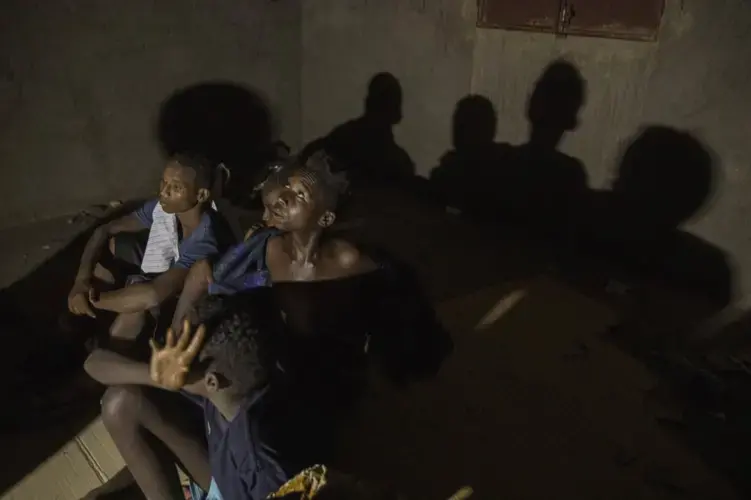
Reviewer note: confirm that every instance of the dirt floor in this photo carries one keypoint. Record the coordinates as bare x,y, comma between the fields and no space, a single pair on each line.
549,393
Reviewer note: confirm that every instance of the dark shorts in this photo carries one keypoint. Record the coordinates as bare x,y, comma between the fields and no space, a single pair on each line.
129,249
128,255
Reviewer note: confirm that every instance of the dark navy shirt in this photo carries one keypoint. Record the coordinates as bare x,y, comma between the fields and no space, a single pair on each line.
251,456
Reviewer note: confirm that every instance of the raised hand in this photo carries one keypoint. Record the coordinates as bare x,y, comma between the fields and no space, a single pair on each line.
170,364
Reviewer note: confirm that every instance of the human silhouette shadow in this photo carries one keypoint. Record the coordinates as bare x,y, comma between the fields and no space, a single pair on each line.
365,146
472,176
533,183
665,178
225,122
548,185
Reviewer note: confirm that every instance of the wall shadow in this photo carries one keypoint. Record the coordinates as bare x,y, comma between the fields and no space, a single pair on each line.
635,230
473,175
225,122
532,183
665,178
365,146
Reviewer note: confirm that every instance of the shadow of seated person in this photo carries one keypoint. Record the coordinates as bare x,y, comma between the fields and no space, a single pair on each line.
365,146
665,179
546,185
471,176
225,122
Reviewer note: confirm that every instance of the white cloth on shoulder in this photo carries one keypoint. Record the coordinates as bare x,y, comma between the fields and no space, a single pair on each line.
163,246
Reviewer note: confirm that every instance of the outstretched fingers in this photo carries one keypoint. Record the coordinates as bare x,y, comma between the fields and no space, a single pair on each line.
196,342
182,342
170,339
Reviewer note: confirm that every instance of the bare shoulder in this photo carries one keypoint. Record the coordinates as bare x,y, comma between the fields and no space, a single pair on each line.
275,243
275,249
349,257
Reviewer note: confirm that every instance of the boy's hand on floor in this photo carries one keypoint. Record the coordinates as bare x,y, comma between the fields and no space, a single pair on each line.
170,364
78,299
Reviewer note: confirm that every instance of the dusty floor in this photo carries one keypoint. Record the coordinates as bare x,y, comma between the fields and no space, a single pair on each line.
545,401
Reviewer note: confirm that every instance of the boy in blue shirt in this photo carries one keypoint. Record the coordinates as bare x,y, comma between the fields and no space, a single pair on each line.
154,247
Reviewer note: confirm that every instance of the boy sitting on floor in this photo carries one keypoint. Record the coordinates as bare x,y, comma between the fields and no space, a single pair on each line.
154,247
225,366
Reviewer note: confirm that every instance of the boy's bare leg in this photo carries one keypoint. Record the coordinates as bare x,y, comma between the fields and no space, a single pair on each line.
124,332
127,326
104,275
152,433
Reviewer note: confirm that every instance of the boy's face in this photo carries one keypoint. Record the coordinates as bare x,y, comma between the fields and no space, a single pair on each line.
178,191
203,381
270,196
295,202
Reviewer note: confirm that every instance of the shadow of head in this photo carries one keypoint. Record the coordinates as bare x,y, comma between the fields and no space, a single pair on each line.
222,121
474,122
557,97
383,104
665,177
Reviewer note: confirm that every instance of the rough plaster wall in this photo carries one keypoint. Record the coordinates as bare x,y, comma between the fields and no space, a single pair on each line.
426,44
696,78
508,63
702,82
81,82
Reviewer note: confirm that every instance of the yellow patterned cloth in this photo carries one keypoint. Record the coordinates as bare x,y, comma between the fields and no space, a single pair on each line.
304,486
321,483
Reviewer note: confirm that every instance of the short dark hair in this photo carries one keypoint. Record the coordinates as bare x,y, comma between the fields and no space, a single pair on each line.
334,183
202,166
238,340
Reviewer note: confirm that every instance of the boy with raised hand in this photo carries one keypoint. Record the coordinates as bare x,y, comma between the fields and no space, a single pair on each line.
224,366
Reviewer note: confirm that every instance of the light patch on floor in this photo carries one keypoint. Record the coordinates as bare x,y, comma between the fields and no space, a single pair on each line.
500,308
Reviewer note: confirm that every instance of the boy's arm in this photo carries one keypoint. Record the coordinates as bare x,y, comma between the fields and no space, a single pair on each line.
78,297
143,296
168,367
110,368
130,223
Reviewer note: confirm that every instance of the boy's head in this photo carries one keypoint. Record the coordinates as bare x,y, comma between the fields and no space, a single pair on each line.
236,357
304,196
186,183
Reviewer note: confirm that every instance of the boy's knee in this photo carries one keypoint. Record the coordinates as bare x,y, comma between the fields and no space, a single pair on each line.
127,326
120,406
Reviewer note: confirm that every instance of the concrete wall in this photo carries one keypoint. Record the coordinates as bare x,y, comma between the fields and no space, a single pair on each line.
426,45
697,78
81,83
